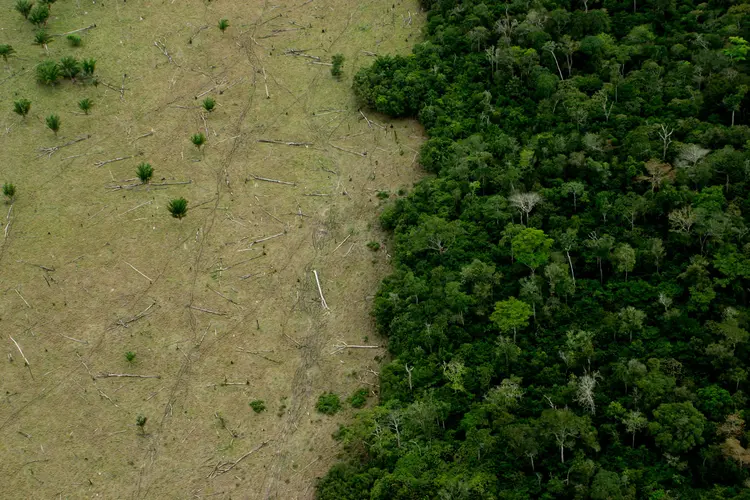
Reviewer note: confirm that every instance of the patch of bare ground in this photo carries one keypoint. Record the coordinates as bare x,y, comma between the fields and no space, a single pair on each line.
222,307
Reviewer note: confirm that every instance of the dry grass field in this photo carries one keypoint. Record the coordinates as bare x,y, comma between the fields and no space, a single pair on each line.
222,307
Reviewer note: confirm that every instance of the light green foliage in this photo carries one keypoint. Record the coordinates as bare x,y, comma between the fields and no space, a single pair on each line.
140,421
47,72
359,398
677,427
74,40
88,66
738,48
38,15
70,67
624,258
531,247
328,403
42,38
198,140
511,315
130,357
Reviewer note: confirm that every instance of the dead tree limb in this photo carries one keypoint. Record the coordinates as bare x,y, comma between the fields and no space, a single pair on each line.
147,134
124,322
54,149
363,155
136,270
284,143
125,375
198,31
261,240
105,162
276,181
265,83
223,296
320,291
209,311
163,48
19,350
225,467
257,353
77,31
341,346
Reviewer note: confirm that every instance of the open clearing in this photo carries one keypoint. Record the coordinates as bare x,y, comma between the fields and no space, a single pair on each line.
221,307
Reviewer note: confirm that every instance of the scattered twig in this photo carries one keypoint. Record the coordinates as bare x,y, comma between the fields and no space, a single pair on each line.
106,397
123,322
339,245
297,343
262,240
368,53
50,269
77,31
256,353
74,340
192,37
122,87
223,296
24,300
19,350
276,181
343,345
363,155
316,194
320,291
147,134
125,375
265,83
271,141
209,311
320,63
54,149
370,123
136,270
225,467
163,48
105,162
134,208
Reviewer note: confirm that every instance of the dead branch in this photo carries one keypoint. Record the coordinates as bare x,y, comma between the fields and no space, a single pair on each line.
124,323
223,296
19,350
343,346
363,155
316,194
134,208
320,63
262,240
257,353
74,340
368,53
209,311
192,37
116,187
320,291
105,162
225,467
370,123
45,268
24,300
125,375
147,134
300,53
339,245
106,397
296,342
265,83
54,149
163,48
122,87
136,270
77,31
284,143
276,181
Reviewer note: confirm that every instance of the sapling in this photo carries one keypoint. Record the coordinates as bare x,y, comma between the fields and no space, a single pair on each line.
53,123
74,40
21,107
70,67
42,38
39,15
140,421
338,63
130,357
85,105
47,72
144,172
209,103
198,139
24,7
6,50
88,65
178,207
9,191
258,405
223,25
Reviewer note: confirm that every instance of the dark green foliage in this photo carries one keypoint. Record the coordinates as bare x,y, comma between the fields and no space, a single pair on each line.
568,315
48,72
223,25
374,246
70,67
144,172
85,105
53,123
359,398
9,191
130,357
22,107
88,66
24,7
38,15
74,40
258,405
198,139
328,403
140,421
42,38
338,63
178,208
209,103
5,51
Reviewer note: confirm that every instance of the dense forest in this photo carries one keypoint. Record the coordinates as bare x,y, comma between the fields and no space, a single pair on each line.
568,314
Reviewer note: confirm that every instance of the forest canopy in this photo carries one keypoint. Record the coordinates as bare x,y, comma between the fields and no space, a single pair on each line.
568,313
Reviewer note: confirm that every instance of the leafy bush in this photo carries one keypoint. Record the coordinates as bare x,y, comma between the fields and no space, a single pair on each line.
70,67
338,63
5,51
74,40
42,38
9,191
144,172
328,403
88,65
85,105
359,398
21,107
39,15
47,72
53,123
198,139
178,208
24,7
140,421
258,405
374,246
209,103
130,357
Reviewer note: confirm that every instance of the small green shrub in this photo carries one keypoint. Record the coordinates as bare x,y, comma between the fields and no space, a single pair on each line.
85,105
48,72
9,191
374,246
130,357
328,403
53,123
42,38
178,207
359,398
6,50
338,64
74,40
209,103
70,67
24,7
258,405
38,15
198,139
144,172
88,65
223,25
21,107
383,195
140,421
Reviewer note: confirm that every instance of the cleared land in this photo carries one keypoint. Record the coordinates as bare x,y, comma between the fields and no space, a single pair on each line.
222,307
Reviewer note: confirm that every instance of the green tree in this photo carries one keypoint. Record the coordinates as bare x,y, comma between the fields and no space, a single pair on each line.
337,64
631,320
178,208
634,421
564,427
47,73
22,107
624,258
42,38
39,15
606,486
24,7
510,315
677,427
6,51
144,172
53,123
531,247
